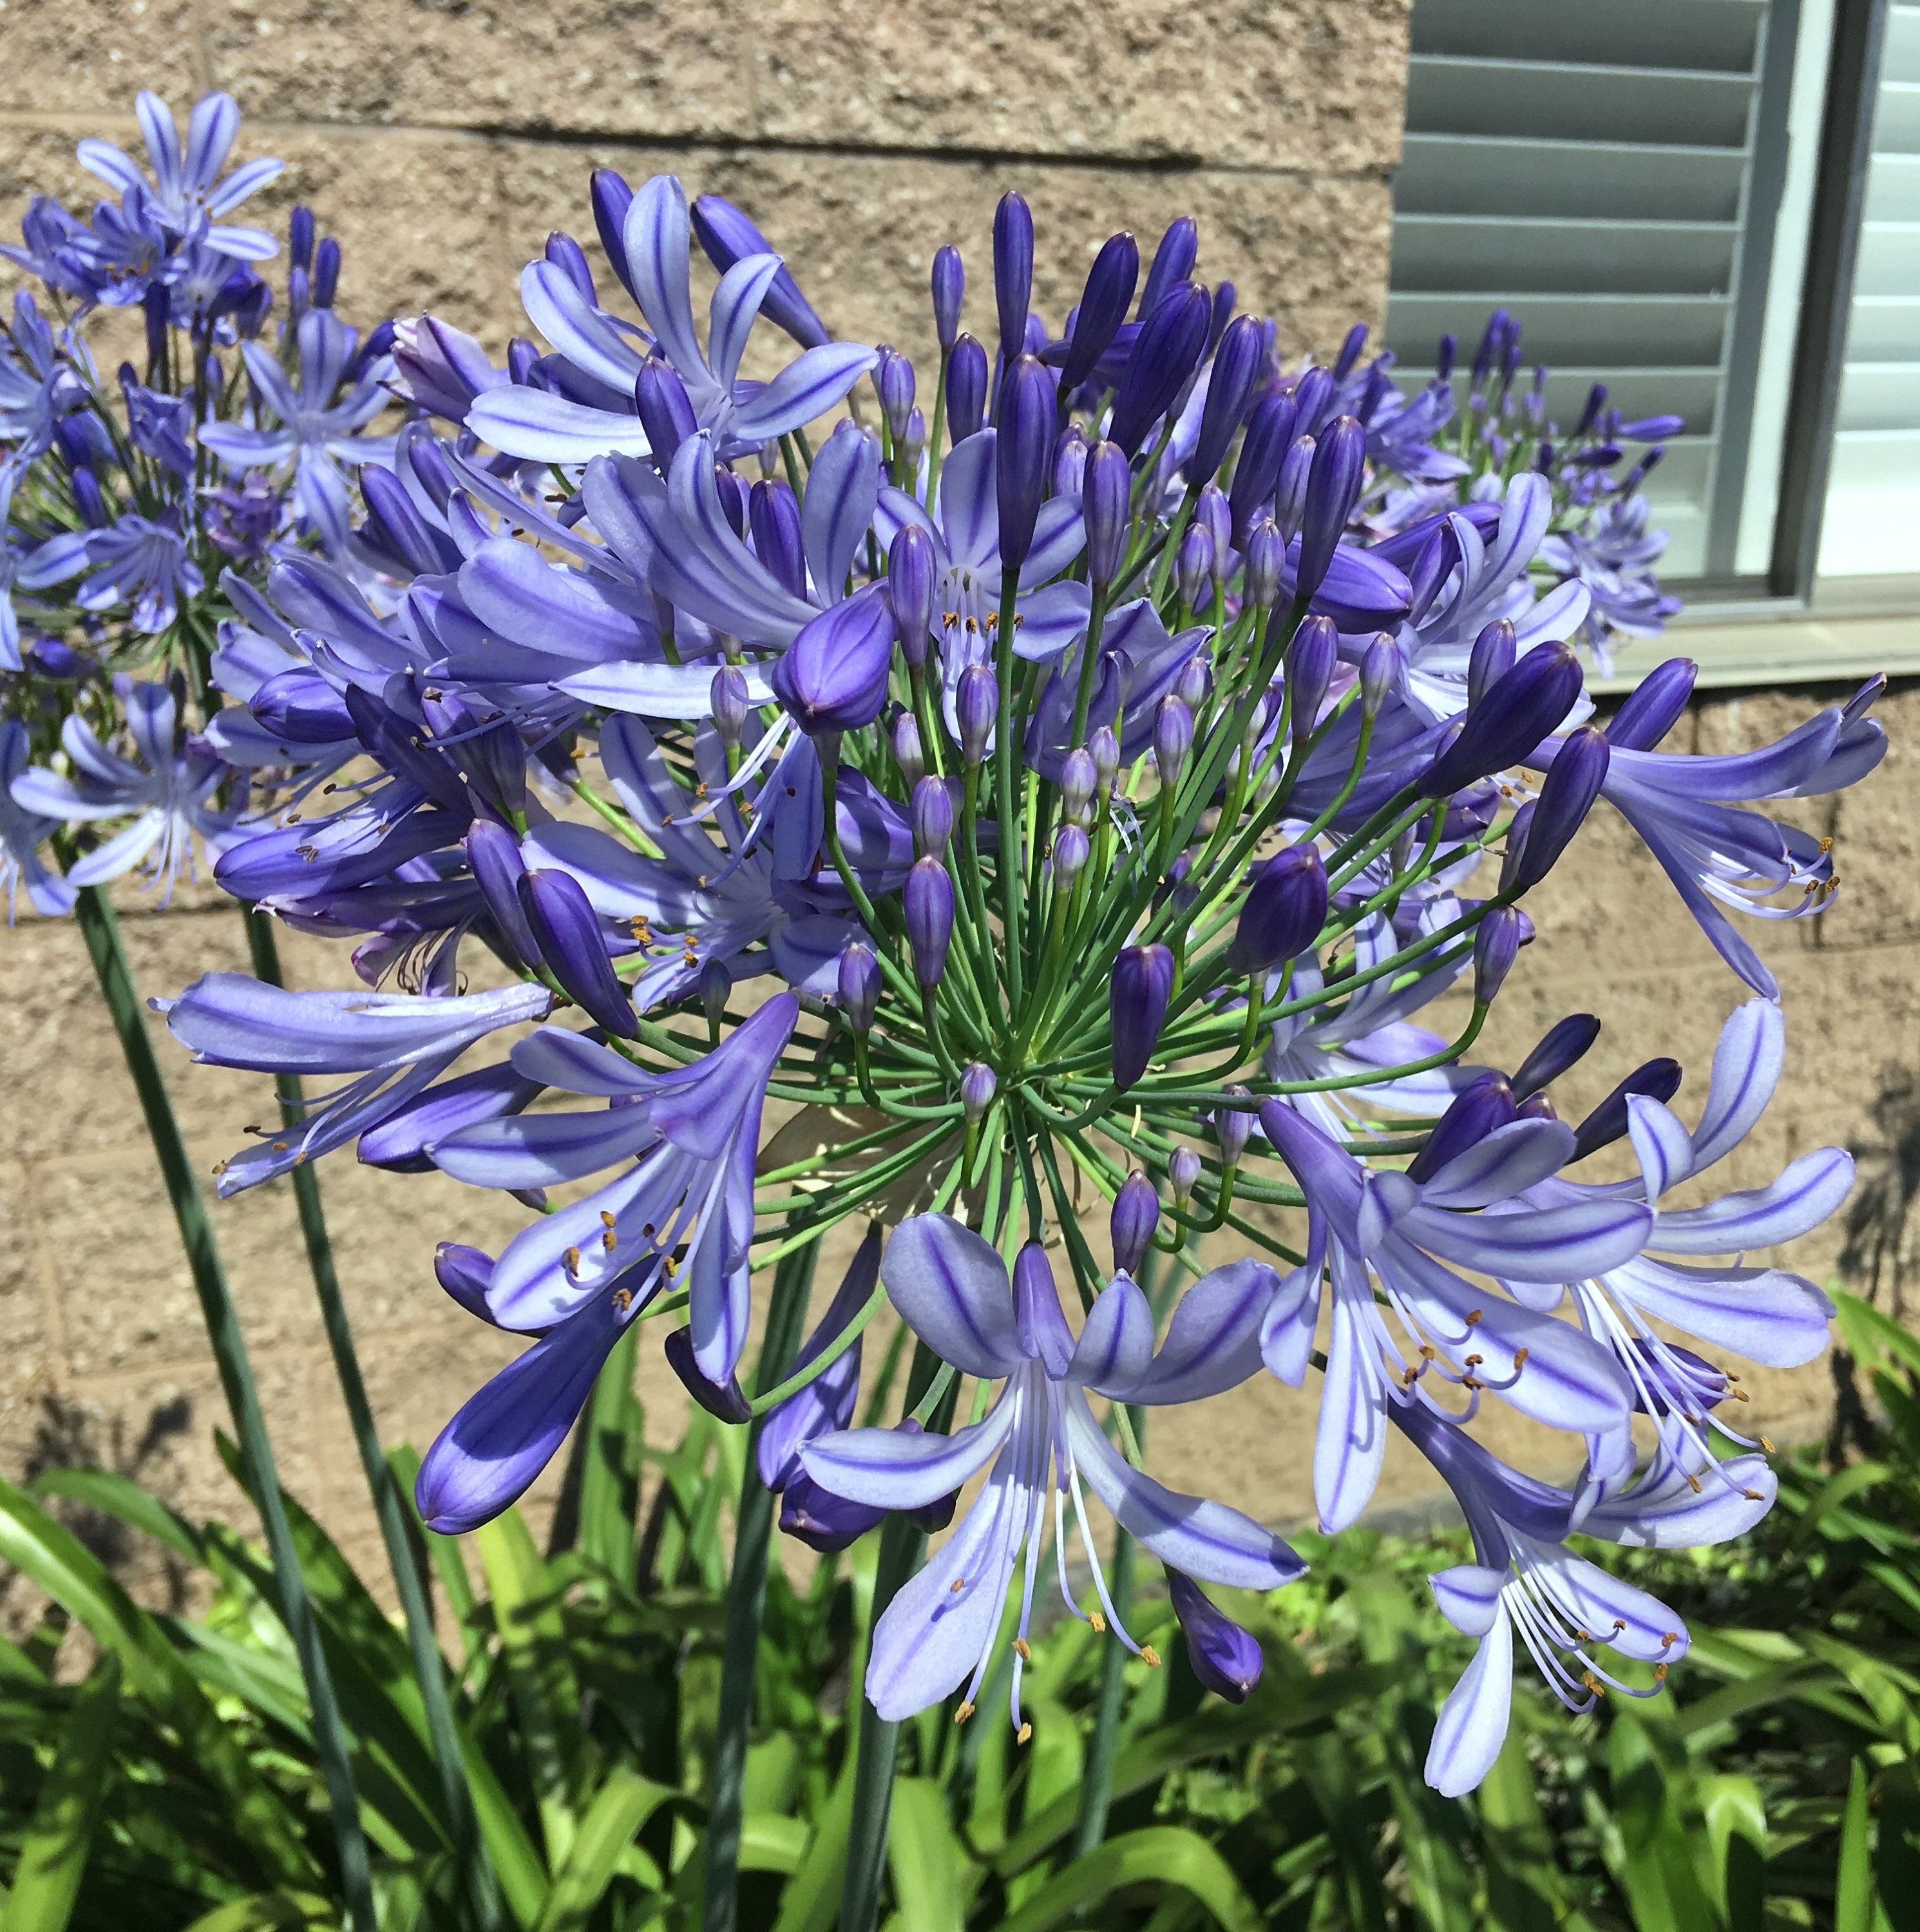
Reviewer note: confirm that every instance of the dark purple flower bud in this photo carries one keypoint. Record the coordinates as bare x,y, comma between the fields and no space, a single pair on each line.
949,291
1516,713
1332,488
299,293
1023,445
1262,450
1136,1213
1495,947
1510,361
1233,1126
1349,354
1183,1174
1561,1046
1653,706
927,898
1652,429
966,390
977,1087
911,589
1142,985
1285,908
1103,747
734,494
493,853
1212,514
1196,680
895,379
522,362
1071,848
977,704
1225,1658
1290,496
666,412
567,255
1173,738
1193,570
727,1400
611,197
326,273
1105,488
913,440
908,752
1538,1107
566,929
1491,659
715,983
1068,471
1266,557
1484,1105
1572,783
1492,343
1225,297
1079,781
1658,1080
1543,460
932,811
1596,402
1012,272
1443,357
727,699
465,1273
1166,352
1380,672
1103,304
833,675
1173,261
300,238
773,514
859,986
727,236
1311,658
156,307
1237,365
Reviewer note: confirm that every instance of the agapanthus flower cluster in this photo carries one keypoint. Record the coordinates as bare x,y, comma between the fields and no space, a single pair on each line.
130,501
1073,756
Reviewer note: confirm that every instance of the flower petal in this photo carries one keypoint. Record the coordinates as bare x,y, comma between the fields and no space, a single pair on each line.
1213,1343
888,1469
1801,1198
951,1288
1472,1724
807,388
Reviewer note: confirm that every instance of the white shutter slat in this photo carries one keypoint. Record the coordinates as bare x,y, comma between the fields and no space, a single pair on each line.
1495,175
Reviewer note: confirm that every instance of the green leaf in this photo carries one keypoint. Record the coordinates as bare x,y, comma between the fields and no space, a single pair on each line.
1834,1495
1167,1856
1655,1867
1736,1821
443,1551
621,1806
53,1854
811,1902
1524,1890
769,1842
926,1858
49,1556
615,1427
269,1911
1867,1332
1853,1880
121,1497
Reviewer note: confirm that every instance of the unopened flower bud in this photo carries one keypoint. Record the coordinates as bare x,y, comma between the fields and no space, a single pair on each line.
895,380
1654,707
1482,1107
928,901
976,703
1103,747
1079,781
1562,1044
1172,340
1182,1175
666,412
1491,659
913,440
1266,558
566,929
1380,670
715,983
1332,488
1178,249
1136,1213
1212,514
1495,947
1194,569
1173,738
949,291
1023,445
1071,847
726,237
1142,985
1195,681
910,590
859,986
1236,364
967,373
773,514
1109,288
1233,1126
1311,658
1285,909
908,754
1658,1080
832,677
1225,1658
1070,462
1012,271
1105,485
1518,711
1566,795
932,809
977,1087
728,699
1257,474
1290,495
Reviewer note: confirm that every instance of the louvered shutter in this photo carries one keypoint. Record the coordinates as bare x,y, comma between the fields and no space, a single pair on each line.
1585,166
1872,513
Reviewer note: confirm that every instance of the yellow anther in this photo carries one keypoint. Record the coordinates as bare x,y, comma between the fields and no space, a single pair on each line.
1099,1622
571,1259
965,1711
607,1218
1025,1732
1150,1657
1023,1650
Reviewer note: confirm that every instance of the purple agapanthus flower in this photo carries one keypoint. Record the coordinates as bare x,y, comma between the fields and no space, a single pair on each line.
167,789
145,562
951,1288
1563,1607
319,423
1613,553
1410,1236
38,385
607,354
22,834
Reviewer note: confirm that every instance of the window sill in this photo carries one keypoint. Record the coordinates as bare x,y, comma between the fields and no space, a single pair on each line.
1849,635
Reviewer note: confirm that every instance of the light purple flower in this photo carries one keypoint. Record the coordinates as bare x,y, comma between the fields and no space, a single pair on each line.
142,562
952,1288
22,834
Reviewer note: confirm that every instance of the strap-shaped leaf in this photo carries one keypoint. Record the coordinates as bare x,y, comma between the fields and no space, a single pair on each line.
1168,1856
121,1497
53,1854
620,1808
929,1867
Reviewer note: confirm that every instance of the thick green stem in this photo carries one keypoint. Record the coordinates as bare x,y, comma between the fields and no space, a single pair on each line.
746,1599
389,1508
1096,1786
102,933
